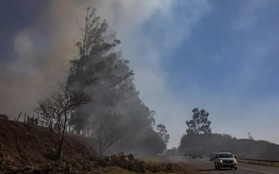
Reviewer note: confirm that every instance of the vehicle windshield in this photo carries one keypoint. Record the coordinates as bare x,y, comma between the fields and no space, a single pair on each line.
225,156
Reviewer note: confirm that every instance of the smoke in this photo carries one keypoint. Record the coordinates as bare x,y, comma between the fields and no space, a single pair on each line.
42,51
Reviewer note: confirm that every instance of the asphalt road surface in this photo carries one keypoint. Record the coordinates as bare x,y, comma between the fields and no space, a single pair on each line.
207,167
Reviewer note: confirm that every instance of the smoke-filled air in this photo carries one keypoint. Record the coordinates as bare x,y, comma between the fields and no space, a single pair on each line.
141,86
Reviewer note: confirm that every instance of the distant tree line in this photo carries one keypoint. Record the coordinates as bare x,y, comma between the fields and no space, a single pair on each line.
199,141
203,145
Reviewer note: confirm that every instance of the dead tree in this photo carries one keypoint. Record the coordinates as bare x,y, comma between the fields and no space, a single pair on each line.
56,110
107,130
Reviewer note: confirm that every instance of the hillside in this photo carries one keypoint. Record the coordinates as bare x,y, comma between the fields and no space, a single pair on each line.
29,149
24,146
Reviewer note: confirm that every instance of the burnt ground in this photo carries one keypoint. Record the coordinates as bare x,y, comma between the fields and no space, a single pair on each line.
30,149
24,146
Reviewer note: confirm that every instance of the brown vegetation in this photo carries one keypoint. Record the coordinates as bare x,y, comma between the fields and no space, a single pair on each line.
25,146
27,149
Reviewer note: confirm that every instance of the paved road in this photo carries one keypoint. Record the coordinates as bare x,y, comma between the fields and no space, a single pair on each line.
206,165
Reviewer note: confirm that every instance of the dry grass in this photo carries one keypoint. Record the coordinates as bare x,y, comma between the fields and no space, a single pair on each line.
117,170
184,168
25,144
259,162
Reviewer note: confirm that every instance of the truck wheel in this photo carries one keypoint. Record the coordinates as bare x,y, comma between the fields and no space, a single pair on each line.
235,168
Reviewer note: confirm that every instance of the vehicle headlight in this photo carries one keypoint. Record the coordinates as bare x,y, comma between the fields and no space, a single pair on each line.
221,161
235,161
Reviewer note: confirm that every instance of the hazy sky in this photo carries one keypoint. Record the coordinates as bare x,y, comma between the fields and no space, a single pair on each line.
218,55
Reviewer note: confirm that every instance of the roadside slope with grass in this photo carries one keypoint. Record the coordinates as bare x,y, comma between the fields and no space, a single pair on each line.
28,148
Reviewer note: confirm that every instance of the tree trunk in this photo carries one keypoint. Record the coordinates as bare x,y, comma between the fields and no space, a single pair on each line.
59,150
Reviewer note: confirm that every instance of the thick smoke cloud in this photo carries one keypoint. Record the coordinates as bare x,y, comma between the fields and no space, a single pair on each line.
42,51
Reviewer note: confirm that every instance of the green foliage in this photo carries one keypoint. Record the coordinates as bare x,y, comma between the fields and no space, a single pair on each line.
199,123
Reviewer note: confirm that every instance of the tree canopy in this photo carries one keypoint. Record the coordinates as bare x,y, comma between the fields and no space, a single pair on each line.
199,124
100,71
163,133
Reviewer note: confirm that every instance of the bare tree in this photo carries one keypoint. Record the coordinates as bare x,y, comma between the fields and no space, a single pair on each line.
107,130
57,108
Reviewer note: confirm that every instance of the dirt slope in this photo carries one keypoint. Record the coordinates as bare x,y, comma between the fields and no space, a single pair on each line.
23,145
29,149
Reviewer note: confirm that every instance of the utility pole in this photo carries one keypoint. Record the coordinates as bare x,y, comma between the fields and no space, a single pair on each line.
249,136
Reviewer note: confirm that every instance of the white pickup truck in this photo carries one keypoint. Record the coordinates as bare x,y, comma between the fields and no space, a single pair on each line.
224,159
